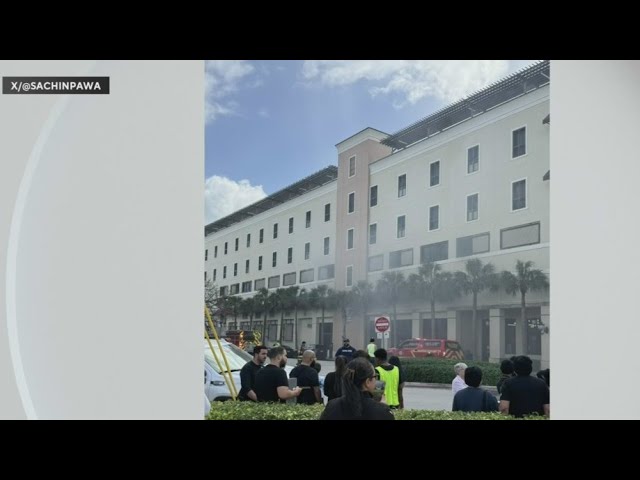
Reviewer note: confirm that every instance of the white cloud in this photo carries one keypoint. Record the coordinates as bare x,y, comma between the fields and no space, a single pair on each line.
408,81
263,112
223,78
223,196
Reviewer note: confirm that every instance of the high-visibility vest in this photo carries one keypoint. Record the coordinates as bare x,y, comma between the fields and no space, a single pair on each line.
391,379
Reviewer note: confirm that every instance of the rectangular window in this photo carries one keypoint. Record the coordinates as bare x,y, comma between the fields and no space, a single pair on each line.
291,225
473,159
235,288
376,263
287,331
373,196
434,173
258,284
402,185
235,269
519,195
519,142
472,207
214,274
401,258
307,250
205,277
246,266
260,263
509,336
246,286
275,230
261,240
352,166
237,243
434,217
307,220
248,240
224,272
215,252
326,272
528,234
274,259
223,291
400,230
327,212
225,247
306,276
289,279
350,239
434,252
534,338
326,245
352,202
472,245
290,255
373,233
272,330
349,275
274,282
206,255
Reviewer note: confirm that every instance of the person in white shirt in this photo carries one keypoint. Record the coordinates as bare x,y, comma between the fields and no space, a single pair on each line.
458,382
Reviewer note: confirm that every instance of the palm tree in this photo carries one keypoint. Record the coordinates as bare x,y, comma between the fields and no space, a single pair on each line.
262,305
299,300
233,305
318,298
477,278
390,288
362,295
434,285
247,308
339,301
526,279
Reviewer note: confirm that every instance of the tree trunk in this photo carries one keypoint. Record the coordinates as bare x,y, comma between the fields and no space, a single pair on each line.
281,326
477,338
525,324
295,327
264,328
432,333
321,333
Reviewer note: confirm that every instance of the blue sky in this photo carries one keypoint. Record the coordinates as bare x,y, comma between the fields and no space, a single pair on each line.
271,123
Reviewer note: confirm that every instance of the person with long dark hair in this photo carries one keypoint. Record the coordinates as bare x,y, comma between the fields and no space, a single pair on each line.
333,380
356,402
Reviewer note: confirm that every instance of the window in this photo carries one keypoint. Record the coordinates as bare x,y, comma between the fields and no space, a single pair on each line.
246,266
307,220
215,252
373,233
307,250
534,338
290,255
258,284
261,240
472,245
260,263
206,255
402,185
274,259
306,276
373,196
291,225
509,336
400,231
401,258
472,207
518,195
289,279
248,240
352,202
434,252
519,142
352,166
224,272
473,159
326,245
349,275
237,243
235,269
326,272
376,263
272,329
274,282
205,277
327,212
246,286
350,239
235,288
519,236
223,291
225,247
275,230
287,331
434,173
214,274
434,217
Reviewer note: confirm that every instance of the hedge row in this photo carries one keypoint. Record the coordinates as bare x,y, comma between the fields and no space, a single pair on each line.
433,370
273,411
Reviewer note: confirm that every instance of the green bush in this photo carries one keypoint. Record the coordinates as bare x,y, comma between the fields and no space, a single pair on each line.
434,370
277,411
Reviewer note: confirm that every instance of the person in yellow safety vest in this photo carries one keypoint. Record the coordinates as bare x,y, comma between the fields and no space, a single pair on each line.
390,375
371,350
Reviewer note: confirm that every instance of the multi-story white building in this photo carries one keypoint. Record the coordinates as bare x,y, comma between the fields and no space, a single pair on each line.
469,181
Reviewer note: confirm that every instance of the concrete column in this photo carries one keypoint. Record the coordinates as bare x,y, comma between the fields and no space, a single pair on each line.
496,335
545,317
452,325
520,332
415,324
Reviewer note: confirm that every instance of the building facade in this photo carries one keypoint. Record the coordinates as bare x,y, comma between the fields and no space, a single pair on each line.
469,181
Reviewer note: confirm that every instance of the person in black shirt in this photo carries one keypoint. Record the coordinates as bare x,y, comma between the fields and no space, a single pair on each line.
346,350
356,402
308,378
506,367
248,373
333,380
473,398
271,383
524,394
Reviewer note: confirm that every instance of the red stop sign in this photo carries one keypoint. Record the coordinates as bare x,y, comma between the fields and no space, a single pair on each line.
382,324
